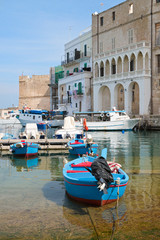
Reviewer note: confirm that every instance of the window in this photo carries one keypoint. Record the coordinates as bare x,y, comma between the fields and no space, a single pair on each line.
113,16
113,43
102,71
113,68
132,65
75,84
158,63
85,65
67,57
158,34
101,21
76,105
85,50
131,8
101,47
75,70
130,36
69,87
79,88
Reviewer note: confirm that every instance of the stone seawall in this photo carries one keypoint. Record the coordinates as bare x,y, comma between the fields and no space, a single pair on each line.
151,122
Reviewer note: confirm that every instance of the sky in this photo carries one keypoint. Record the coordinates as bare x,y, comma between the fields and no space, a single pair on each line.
33,34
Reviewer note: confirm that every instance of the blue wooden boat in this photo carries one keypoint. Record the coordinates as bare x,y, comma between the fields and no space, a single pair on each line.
82,185
81,146
24,149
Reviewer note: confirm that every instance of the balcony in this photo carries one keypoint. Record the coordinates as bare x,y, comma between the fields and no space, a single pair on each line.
75,57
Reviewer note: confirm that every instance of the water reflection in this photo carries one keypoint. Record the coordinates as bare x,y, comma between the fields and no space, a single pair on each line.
34,204
24,164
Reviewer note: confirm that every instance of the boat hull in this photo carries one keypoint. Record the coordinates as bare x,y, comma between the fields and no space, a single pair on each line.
81,185
83,149
118,125
27,150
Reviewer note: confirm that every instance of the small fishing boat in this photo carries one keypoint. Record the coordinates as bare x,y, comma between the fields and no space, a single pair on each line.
82,146
24,149
90,180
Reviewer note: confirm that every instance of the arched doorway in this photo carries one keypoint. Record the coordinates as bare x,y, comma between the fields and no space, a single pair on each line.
104,99
119,96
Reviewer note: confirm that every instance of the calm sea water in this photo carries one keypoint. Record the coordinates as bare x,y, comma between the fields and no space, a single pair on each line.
34,205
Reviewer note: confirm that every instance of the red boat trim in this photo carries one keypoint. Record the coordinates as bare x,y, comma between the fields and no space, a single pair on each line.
91,185
76,171
91,201
26,155
79,184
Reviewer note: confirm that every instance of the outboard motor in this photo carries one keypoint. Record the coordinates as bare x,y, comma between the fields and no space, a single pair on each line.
102,172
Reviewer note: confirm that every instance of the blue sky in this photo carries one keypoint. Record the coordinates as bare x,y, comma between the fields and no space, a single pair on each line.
33,34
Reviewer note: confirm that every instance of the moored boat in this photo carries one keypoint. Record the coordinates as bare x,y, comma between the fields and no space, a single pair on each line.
31,132
24,149
82,146
84,184
114,120
53,118
68,130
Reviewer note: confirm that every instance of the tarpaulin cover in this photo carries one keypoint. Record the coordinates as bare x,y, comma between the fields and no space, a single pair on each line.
101,170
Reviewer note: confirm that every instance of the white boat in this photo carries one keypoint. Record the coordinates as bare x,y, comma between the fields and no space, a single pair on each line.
11,119
51,118
68,130
31,132
114,120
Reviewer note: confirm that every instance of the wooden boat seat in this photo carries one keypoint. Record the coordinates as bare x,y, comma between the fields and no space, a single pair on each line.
76,142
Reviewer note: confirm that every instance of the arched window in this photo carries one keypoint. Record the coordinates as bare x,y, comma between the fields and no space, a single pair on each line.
126,64
96,70
119,65
107,68
113,66
140,61
101,69
132,63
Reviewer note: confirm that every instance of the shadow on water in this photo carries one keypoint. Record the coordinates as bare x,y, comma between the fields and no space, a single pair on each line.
99,220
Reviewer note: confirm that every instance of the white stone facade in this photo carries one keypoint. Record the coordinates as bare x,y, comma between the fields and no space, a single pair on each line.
141,75
126,57
75,88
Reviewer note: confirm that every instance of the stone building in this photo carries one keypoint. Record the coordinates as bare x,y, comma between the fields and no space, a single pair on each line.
126,57
34,92
75,88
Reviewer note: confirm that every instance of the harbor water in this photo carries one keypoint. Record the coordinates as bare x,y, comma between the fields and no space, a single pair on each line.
34,204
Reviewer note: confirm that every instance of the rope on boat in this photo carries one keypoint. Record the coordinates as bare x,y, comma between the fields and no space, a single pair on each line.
116,207
118,183
94,227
